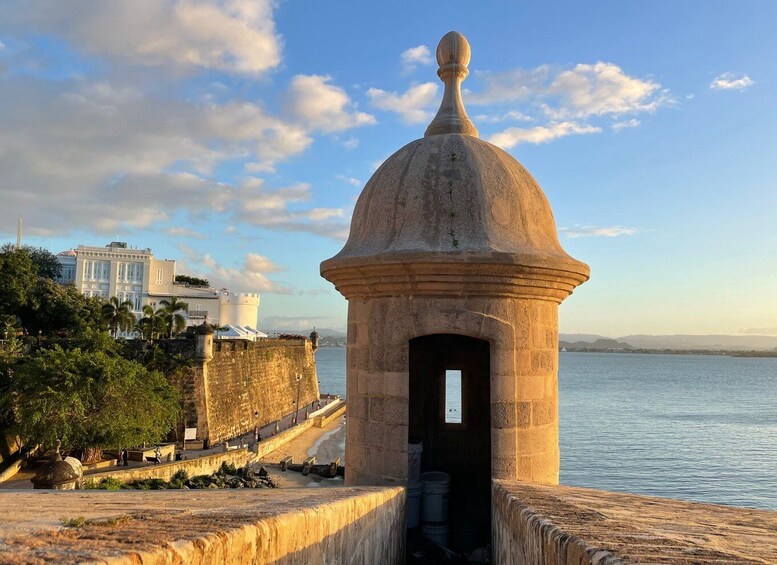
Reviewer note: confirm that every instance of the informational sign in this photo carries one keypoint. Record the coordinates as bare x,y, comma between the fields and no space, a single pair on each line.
190,433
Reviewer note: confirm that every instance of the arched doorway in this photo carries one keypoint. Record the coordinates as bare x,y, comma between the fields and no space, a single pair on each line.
456,435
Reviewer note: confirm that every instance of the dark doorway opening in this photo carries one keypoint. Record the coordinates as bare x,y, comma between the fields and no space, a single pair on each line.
456,433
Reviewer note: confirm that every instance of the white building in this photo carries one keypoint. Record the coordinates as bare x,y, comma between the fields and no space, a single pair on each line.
137,276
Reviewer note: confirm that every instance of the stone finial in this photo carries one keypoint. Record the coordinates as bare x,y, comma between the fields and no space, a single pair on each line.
453,56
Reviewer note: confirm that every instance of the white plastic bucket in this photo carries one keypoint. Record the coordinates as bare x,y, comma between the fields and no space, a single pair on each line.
434,496
413,505
414,451
436,532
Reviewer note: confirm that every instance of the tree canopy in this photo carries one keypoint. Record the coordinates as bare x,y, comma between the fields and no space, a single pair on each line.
88,399
171,312
28,292
18,275
190,280
118,315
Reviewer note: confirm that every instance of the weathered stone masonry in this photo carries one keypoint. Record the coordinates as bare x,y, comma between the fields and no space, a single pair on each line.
231,381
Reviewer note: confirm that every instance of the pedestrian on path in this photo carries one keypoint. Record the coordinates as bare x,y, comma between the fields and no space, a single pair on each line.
125,457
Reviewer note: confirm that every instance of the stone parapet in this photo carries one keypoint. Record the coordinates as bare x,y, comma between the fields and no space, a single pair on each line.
555,524
196,466
335,525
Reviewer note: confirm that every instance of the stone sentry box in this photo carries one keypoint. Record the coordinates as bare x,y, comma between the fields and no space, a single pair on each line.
453,262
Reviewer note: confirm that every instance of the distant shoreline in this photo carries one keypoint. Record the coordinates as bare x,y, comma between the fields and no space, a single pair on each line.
676,352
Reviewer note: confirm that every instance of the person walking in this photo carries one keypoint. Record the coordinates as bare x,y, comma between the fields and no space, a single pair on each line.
125,457
119,457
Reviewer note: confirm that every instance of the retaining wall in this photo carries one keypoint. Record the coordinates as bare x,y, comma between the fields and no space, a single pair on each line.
198,466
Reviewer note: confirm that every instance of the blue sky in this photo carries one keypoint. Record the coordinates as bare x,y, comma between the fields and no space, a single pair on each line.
235,136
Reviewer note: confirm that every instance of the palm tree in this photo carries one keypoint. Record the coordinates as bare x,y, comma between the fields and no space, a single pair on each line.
174,321
118,315
152,324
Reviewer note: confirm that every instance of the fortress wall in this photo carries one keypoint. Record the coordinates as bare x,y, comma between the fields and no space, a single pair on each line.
283,526
244,378
556,524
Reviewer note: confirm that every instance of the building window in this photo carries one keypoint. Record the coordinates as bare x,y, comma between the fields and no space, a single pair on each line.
452,396
159,276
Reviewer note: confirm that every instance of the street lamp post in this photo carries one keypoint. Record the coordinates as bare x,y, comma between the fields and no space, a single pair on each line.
299,384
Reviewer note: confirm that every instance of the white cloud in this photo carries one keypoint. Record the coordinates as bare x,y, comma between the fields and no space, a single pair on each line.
278,209
541,134
512,116
178,231
730,81
350,180
236,36
415,56
249,277
82,155
320,105
632,123
350,143
613,231
585,90
602,89
412,105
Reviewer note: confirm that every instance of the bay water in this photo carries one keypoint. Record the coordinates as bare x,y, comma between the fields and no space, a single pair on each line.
693,427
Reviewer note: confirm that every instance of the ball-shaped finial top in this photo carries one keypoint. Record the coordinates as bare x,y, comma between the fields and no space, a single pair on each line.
453,49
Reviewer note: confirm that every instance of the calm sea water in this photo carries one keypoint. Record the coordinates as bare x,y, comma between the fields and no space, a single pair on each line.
682,426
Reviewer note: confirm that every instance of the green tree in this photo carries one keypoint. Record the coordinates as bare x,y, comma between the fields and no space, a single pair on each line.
90,400
18,275
152,324
193,281
46,263
54,309
118,315
171,310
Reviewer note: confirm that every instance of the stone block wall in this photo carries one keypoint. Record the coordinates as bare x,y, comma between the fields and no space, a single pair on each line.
556,524
523,334
280,526
220,395
195,466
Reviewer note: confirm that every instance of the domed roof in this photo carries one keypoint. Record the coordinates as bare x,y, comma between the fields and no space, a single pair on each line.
58,471
453,198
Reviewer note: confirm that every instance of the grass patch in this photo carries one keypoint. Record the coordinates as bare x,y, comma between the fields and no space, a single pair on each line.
73,522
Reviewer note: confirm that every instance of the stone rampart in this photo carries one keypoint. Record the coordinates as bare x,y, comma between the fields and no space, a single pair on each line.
552,524
238,385
245,378
196,466
284,526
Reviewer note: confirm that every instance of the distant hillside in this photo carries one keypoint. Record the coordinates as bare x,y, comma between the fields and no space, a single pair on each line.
601,344
701,342
588,338
323,332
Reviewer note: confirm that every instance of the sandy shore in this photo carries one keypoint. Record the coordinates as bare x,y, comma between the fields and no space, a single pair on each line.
325,444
